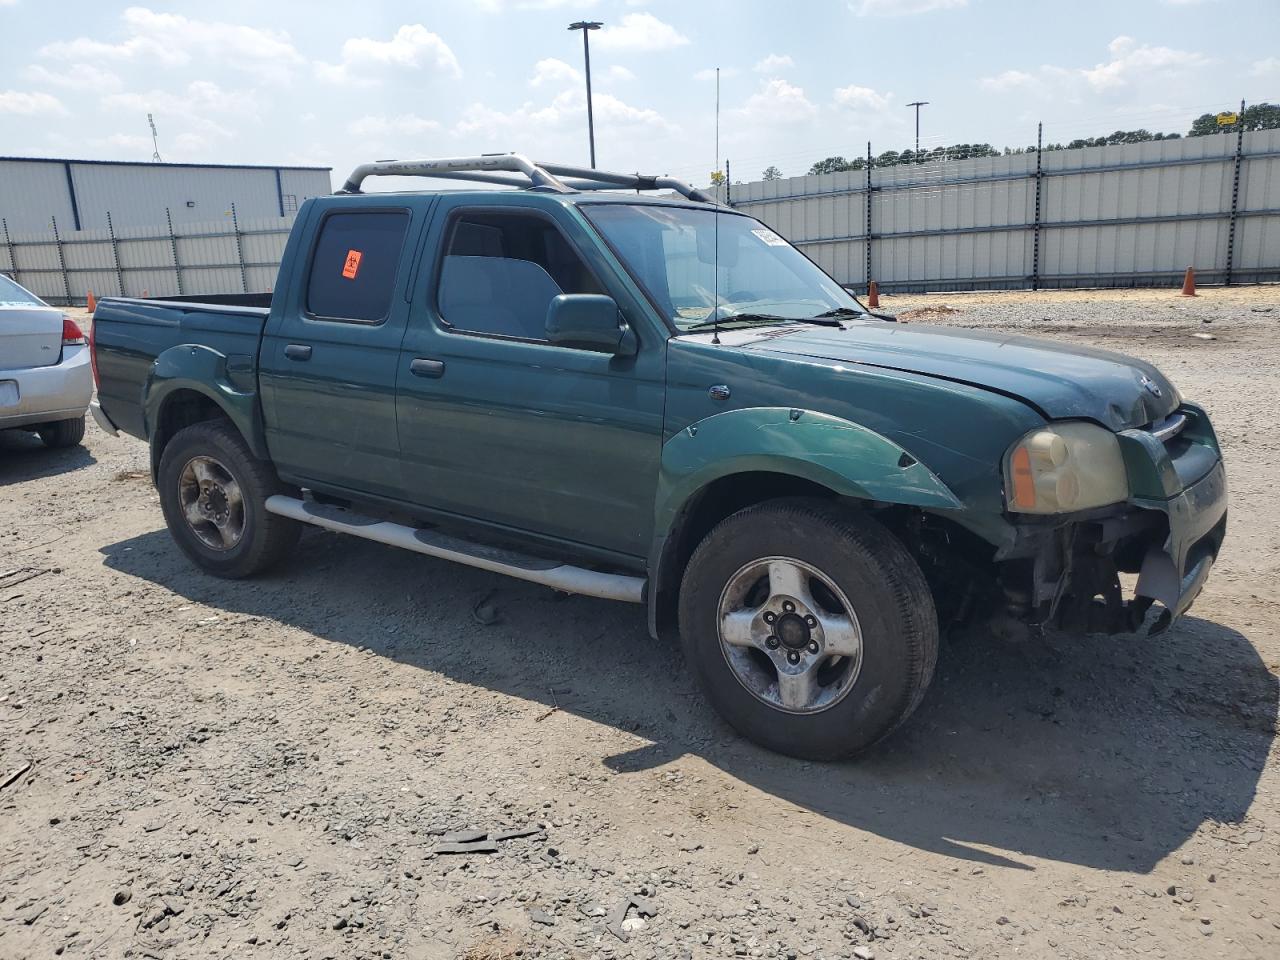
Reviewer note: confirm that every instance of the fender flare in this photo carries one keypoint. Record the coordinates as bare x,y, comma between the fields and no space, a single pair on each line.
846,457
229,381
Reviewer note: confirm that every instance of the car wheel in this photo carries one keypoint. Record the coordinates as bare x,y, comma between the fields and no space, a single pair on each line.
213,492
62,433
809,626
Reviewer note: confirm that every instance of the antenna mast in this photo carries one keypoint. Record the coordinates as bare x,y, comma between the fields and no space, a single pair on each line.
155,139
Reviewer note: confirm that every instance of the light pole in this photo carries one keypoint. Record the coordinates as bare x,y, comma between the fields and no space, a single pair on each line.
586,26
918,104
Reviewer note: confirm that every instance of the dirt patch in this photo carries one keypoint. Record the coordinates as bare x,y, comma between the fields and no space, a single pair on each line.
266,768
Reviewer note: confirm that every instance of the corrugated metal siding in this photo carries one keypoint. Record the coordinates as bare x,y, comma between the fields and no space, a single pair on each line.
31,193
970,222
137,194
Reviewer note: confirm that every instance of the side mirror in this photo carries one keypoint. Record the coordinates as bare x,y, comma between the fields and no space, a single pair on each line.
589,321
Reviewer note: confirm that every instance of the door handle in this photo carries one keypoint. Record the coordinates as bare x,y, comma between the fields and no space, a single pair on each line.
422,367
298,351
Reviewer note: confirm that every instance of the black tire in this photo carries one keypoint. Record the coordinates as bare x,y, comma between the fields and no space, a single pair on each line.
886,590
266,537
62,433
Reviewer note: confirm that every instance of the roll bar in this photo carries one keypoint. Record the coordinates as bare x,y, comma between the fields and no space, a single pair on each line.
516,170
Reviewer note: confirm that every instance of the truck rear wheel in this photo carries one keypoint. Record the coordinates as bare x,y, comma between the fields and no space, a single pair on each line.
213,491
811,628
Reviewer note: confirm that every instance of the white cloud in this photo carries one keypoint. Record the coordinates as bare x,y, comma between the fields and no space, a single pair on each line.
1009,80
8,3
773,63
377,125
498,6
710,73
413,46
172,40
1265,68
30,103
531,123
776,102
619,73
898,8
77,76
640,32
1130,63
863,100
190,107
553,71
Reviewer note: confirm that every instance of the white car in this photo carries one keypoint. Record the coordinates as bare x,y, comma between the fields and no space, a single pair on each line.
45,376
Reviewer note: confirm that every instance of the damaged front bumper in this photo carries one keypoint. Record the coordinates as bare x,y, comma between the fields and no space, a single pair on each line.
1065,571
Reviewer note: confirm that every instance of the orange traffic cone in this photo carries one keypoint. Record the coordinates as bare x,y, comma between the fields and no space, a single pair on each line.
1189,284
92,305
873,295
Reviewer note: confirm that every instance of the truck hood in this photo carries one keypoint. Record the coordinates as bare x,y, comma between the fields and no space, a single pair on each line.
1059,380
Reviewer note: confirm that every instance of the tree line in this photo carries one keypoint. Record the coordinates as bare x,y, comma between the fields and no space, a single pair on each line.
1261,116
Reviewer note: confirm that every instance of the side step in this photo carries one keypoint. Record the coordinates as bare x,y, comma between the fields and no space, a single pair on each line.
549,573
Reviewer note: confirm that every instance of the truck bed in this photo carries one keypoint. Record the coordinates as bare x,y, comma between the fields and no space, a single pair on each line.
129,333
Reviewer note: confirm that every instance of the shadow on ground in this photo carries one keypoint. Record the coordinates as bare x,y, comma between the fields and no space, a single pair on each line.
24,457
1105,752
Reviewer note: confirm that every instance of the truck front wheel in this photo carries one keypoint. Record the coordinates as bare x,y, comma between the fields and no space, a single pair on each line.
213,491
810,627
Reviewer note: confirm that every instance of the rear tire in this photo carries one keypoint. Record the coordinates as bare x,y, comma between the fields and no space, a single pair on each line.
213,492
810,627
62,433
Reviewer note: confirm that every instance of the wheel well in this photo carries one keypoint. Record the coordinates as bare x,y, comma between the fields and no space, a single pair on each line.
706,508
957,564
182,408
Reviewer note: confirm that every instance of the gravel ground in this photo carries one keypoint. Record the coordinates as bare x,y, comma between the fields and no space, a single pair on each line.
274,768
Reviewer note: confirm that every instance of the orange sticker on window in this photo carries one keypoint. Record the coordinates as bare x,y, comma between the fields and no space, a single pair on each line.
352,265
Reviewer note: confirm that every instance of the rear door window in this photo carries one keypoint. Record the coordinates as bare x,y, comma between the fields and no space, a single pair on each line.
353,270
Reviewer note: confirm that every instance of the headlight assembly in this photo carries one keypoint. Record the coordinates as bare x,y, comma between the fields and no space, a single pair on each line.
1064,467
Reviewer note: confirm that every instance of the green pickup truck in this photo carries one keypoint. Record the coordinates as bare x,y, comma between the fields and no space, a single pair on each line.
661,401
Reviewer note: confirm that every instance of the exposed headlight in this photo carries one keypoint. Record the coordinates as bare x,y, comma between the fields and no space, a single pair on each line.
1065,467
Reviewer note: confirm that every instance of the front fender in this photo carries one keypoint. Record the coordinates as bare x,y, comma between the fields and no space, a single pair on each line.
229,381
843,456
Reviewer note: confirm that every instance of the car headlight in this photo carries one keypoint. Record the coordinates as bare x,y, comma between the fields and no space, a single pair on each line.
1065,467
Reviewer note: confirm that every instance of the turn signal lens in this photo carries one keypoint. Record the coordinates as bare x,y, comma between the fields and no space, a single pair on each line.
1065,467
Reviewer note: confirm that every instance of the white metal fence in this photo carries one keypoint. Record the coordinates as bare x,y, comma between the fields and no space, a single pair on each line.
1126,215
228,256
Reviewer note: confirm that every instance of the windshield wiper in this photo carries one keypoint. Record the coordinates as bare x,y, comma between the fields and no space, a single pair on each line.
850,312
754,318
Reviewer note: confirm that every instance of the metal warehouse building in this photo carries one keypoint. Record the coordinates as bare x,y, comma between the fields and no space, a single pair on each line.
34,191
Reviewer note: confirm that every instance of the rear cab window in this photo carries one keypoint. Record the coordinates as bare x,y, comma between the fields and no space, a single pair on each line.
354,266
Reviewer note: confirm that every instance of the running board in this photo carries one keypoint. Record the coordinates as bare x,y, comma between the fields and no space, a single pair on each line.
549,573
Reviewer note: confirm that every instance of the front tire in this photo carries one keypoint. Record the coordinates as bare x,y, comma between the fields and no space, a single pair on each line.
62,433
213,492
810,627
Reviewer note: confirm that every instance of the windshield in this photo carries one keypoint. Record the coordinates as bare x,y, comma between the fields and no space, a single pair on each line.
12,295
751,273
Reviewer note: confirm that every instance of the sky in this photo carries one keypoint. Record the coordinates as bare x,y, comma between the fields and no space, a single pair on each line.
319,83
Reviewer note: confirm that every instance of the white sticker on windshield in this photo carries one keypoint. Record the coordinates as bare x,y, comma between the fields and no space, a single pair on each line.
769,237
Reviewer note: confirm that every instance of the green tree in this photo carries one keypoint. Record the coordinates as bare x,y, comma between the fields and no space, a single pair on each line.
771,173
831,165
1261,116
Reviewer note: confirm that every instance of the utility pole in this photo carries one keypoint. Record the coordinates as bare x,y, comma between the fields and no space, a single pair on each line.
586,26
918,104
